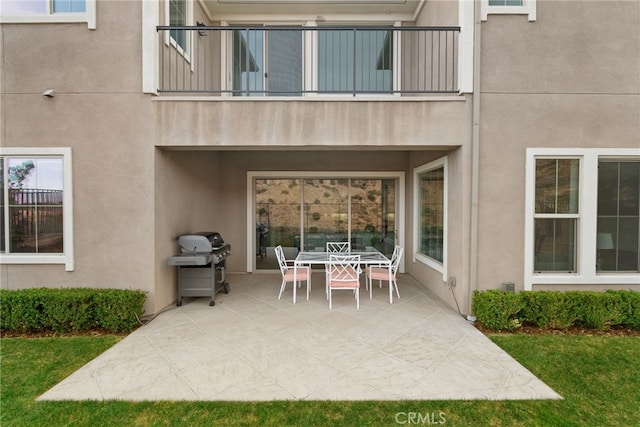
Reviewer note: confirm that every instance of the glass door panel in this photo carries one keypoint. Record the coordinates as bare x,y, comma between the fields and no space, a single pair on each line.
284,58
248,58
326,212
277,220
389,226
355,60
373,215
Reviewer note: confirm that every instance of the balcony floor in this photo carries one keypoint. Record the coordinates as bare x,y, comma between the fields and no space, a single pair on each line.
252,346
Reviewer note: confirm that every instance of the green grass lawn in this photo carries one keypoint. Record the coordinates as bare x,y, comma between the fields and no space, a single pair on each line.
598,376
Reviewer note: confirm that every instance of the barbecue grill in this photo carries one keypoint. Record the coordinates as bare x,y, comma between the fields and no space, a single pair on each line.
201,265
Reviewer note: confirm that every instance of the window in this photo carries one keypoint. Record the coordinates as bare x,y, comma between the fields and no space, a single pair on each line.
618,216
510,7
35,11
556,214
505,2
430,194
178,16
35,206
582,222
69,6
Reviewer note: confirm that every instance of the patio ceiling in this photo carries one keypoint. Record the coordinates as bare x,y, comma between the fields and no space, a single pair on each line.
376,10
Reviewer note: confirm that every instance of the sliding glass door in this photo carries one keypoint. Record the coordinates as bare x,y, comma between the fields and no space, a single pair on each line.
267,62
306,213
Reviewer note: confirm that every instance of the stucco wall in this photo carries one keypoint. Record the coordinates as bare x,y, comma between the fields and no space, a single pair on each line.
249,123
569,79
99,111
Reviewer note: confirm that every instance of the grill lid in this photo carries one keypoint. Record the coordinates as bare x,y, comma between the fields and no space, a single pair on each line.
204,241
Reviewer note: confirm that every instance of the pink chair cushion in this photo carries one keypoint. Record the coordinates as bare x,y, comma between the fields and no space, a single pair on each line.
303,274
379,273
350,284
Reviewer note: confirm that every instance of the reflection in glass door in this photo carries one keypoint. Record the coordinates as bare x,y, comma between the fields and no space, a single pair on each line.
361,211
326,219
277,219
373,215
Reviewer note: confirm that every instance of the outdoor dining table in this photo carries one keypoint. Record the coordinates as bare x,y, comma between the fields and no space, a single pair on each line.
369,257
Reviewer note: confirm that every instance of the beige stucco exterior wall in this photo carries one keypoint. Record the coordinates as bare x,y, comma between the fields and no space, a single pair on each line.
100,112
251,124
569,79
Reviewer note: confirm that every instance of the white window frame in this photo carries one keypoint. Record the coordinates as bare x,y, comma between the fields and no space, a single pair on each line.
88,16
417,256
67,257
586,232
528,8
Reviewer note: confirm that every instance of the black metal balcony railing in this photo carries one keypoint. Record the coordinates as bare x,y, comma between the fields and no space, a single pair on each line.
299,61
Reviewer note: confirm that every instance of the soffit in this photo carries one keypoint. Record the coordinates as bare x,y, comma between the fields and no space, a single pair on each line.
318,9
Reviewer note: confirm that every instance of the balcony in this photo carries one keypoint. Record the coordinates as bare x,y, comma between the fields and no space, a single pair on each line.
295,61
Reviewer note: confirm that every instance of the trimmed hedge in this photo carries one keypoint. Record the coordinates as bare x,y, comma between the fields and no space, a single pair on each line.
65,310
499,310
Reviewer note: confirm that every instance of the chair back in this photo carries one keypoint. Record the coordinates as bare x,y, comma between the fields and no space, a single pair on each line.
395,259
344,268
282,262
338,247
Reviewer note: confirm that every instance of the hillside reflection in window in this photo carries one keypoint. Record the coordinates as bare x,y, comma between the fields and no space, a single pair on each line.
432,213
35,202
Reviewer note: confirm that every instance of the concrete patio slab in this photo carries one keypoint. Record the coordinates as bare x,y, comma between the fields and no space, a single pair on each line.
252,346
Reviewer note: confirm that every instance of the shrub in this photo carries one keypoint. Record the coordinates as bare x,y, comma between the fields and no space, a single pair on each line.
500,310
630,308
548,310
497,310
599,310
118,311
65,310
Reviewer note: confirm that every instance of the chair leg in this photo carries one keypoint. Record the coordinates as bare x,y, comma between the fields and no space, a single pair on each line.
329,290
358,298
282,289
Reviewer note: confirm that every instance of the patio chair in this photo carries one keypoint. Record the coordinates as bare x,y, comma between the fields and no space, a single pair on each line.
344,273
288,271
335,247
338,247
381,273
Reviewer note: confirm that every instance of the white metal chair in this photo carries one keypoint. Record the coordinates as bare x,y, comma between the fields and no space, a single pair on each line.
288,272
338,248
344,273
381,273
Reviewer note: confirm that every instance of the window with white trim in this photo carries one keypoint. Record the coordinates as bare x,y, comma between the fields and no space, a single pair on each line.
179,14
508,7
556,214
582,223
35,206
430,216
39,11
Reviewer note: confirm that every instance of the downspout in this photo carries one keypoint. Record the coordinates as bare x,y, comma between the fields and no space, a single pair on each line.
475,159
